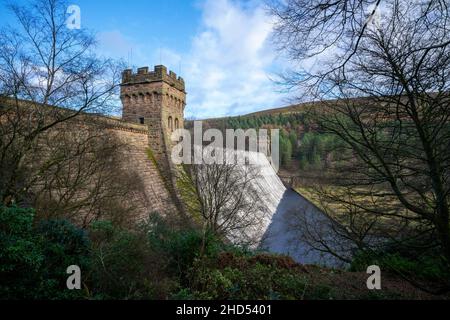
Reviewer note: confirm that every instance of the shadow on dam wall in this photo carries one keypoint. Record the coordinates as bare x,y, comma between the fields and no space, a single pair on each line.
280,227
286,231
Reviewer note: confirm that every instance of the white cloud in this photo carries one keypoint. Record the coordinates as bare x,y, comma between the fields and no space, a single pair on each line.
228,65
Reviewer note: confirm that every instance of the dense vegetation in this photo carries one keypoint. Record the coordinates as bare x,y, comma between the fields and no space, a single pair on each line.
301,139
394,188
309,150
151,261
34,256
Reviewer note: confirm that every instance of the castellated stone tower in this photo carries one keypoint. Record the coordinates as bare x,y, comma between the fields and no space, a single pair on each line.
157,99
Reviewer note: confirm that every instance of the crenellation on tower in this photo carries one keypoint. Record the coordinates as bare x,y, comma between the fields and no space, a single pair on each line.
156,98
143,70
159,73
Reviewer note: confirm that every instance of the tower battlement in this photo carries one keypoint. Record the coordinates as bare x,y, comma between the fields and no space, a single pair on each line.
143,75
155,98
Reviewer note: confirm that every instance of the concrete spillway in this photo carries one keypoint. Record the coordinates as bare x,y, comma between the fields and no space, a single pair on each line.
281,211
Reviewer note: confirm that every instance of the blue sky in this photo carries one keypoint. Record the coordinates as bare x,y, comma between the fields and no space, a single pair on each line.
220,47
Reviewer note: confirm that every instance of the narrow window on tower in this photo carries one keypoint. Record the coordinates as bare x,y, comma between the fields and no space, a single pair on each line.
177,124
170,124
141,120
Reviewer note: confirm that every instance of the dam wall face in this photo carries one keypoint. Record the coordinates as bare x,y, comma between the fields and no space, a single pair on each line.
251,186
137,159
269,189
283,218
124,163
89,167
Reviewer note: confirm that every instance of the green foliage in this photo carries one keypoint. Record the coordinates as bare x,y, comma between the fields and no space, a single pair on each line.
21,256
294,142
313,148
33,260
316,148
257,277
429,267
65,245
124,266
147,263
182,247
159,261
292,120
285,150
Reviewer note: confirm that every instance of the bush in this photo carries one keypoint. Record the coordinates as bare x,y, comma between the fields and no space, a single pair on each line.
21,256
33,261
257,277
206,268
181,247
428,267
63,245
125,266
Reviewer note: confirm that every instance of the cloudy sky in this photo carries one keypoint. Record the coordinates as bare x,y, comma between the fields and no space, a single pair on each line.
221,48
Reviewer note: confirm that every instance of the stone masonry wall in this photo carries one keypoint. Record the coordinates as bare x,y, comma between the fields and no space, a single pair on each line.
137,158
136,140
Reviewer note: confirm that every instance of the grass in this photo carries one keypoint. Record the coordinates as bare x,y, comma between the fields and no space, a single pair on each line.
339,200
360,207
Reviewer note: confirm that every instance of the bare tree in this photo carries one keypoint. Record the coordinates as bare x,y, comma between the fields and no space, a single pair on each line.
391,110
43,64
223,199
323,36
78,171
